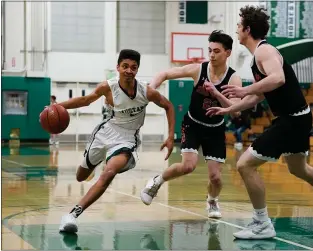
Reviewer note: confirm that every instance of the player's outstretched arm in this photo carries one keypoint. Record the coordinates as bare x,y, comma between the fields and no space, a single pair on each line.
244,104
190,70
155,97
224,101
101,90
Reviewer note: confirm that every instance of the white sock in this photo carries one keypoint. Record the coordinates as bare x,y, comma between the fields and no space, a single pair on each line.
261,214
159,179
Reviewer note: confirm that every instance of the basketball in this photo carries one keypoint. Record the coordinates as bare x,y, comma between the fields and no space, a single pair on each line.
54,119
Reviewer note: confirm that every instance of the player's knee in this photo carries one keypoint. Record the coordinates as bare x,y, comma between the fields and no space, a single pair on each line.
80,178
241,166
188,167
107,176
82,174
215,178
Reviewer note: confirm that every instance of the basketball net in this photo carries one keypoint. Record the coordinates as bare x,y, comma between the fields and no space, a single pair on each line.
195,60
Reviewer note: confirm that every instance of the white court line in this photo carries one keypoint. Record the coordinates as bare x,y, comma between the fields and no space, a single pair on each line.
185,211
205,217
17,163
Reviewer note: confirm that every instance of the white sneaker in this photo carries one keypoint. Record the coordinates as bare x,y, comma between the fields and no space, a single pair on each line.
257,230
68,224
150,191
213,209
238,146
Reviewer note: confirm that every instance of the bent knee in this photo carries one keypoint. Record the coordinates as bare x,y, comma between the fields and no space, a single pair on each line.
242,166
188,167
107,175
215,178
82,173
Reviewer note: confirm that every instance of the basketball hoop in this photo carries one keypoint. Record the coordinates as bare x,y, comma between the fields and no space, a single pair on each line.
196,60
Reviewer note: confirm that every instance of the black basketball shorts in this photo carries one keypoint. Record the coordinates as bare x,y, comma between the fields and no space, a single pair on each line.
211,139
287,135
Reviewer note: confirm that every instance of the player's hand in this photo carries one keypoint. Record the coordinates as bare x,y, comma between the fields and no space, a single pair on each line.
169,144
212,111
209,87
233,91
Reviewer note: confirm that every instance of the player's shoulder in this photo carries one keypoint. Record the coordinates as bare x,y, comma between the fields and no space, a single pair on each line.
265,51
112,81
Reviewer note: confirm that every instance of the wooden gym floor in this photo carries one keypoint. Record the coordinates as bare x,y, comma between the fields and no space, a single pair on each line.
39,186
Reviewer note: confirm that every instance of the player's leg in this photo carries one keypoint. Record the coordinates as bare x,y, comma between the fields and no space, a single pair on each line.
189,147
298,146
188,164
269,146
113,167
297,164
214,152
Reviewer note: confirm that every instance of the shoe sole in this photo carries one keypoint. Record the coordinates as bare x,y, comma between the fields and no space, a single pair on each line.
70,228
143,201
215,217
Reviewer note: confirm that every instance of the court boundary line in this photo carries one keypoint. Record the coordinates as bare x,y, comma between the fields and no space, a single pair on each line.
206,217
188,212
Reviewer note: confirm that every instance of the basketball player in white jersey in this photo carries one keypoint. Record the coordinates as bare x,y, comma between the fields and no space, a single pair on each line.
197,128
290,130
116,138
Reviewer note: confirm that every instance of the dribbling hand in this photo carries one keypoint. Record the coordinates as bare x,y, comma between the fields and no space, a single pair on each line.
169,144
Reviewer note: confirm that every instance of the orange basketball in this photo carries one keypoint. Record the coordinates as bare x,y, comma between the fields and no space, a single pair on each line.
54,119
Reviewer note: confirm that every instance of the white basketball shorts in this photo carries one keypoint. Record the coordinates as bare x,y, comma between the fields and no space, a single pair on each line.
108,140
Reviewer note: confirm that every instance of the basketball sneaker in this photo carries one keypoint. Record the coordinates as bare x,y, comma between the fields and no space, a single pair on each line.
257,230
213,209
68,224
150,191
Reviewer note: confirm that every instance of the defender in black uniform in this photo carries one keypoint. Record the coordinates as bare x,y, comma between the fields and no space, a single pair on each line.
289,133
197,128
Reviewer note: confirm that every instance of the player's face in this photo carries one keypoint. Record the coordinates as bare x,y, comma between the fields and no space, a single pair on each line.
127,69
217,54
242,34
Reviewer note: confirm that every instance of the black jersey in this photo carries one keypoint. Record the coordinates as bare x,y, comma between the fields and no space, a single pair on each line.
286,99
202,100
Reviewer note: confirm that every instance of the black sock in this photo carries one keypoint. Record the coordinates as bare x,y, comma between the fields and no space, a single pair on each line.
76,211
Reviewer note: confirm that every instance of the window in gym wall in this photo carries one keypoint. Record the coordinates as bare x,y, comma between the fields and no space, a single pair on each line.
141,26
77,26
193,12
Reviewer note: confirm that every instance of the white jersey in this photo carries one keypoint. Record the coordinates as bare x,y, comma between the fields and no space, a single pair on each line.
128,113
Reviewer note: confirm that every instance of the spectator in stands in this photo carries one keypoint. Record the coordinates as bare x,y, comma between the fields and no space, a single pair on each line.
53,137
241,123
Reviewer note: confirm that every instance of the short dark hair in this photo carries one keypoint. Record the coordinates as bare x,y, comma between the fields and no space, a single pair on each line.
218,36
257,19
129,54
53,97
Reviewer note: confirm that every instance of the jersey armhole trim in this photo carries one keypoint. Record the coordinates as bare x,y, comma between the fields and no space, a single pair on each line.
233,74
199,75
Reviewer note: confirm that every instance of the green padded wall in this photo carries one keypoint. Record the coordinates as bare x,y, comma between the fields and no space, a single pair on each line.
179,94
38,97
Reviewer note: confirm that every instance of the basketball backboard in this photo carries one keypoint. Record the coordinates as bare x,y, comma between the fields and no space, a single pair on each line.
186,46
